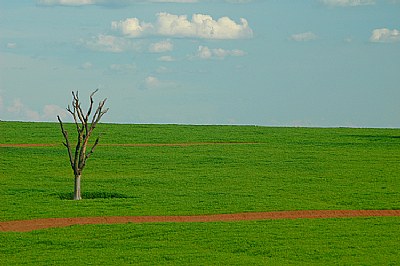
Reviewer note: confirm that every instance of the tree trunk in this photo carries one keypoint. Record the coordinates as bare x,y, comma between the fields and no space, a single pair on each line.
84,129
77,190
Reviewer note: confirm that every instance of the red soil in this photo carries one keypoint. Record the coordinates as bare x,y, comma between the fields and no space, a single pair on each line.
177,144
25,145
30,225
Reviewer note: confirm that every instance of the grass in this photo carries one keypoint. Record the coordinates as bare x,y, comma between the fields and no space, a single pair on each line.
283,169
369,241
94,195
287,169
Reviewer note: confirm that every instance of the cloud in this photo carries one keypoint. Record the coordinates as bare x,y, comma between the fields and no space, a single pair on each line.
344,3
206,53
67,2
174,1
119,3
385,35
161,47
22,112
163,70
131,27
238,1
11,45
199,26
202,26
166,58
303,37
32,115
348,39
109,43
152,83
51,111
87,65
16,107
123,68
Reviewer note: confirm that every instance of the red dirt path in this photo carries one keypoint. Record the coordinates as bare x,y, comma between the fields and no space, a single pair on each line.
24,145
27,145
30,225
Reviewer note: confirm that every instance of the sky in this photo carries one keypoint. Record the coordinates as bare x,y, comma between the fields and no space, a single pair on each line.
311,63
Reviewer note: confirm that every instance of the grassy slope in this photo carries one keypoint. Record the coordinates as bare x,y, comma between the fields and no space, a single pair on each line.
289,168
372,241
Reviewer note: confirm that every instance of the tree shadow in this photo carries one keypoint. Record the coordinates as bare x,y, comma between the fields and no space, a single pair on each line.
94,195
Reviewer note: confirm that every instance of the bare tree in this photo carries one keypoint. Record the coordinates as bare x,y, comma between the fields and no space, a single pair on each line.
84,128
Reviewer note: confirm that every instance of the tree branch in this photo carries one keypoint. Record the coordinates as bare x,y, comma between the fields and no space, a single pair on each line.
66,143
84,130
91,150
91,105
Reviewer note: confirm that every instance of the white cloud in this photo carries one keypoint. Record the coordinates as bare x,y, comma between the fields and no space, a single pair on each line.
87,65
109,43
32,115
51,111
199,26
174,1
238,1
124,2
345,3
348,39
385,35
206,53
67,2
163,70
20,111
123,68
223,53
11,45
152,82
161,47
166,58
16,107
303,37
202,26
131,27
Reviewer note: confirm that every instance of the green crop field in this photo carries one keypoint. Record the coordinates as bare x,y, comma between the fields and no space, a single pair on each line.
230,169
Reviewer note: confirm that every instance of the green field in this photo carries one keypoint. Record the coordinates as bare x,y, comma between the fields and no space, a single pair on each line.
272,169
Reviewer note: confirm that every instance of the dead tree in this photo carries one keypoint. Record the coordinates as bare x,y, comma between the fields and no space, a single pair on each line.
85,129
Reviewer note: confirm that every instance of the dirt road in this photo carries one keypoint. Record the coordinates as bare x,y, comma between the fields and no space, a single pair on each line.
30,225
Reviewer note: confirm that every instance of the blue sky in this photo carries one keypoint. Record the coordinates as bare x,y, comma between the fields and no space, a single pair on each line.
323,63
